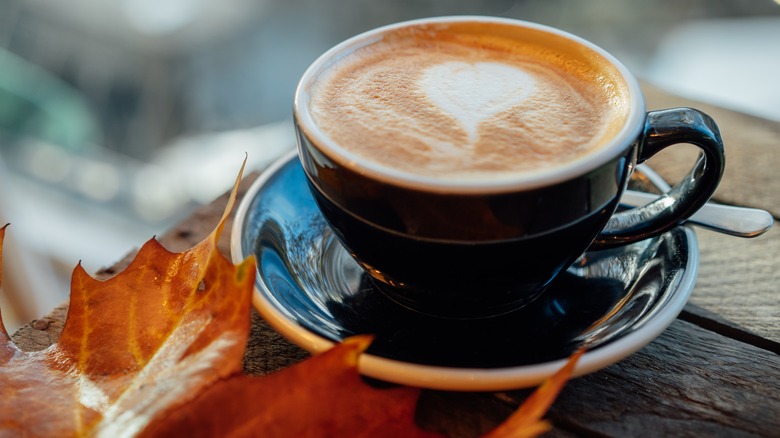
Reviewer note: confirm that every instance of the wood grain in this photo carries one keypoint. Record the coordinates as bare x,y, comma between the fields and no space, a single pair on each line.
739,280
688,382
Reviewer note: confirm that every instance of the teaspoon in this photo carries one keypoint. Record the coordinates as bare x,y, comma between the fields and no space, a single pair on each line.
735,221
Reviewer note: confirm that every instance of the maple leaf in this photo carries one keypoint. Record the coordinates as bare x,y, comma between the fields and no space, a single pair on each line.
321,396
153,335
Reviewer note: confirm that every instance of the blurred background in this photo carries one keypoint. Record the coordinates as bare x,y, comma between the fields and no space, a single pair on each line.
118,118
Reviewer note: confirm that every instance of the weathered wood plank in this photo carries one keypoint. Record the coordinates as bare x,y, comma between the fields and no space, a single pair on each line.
267,351
688,382
41,333
752,148
739,280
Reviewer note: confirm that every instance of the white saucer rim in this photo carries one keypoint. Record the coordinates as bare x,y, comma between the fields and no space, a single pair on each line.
467,379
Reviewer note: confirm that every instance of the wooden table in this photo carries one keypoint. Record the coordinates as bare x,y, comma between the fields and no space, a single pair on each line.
714,372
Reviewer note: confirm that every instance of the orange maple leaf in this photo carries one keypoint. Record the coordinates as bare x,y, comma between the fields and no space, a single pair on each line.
321,396
151,336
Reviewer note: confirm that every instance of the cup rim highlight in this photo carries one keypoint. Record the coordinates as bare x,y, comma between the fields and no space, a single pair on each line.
516,182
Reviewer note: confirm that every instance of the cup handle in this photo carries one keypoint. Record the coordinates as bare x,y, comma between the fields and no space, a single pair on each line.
665,128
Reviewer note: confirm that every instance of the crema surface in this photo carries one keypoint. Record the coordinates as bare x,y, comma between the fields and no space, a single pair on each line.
469,101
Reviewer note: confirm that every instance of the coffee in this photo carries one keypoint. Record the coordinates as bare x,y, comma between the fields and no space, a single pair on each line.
469,101
465,162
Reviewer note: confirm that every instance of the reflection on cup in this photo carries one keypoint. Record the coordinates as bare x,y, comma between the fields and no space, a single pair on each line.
466,161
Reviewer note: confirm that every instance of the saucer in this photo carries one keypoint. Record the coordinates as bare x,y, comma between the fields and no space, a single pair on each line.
310,290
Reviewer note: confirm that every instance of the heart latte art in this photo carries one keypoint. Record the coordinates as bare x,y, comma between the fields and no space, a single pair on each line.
474,92
460,103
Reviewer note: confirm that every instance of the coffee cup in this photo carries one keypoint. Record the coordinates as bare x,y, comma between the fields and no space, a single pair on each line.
464,162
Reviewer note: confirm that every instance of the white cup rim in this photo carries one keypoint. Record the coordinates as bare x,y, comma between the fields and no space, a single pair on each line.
616,147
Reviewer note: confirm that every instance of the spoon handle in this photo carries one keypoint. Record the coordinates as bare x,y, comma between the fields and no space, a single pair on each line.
735,221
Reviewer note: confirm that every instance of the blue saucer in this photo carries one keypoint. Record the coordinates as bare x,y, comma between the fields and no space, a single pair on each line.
310,290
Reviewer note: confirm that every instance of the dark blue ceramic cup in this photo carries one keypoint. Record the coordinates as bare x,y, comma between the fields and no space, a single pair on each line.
472,250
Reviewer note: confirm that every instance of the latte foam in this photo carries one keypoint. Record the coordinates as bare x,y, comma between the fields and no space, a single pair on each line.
469,100
474,92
